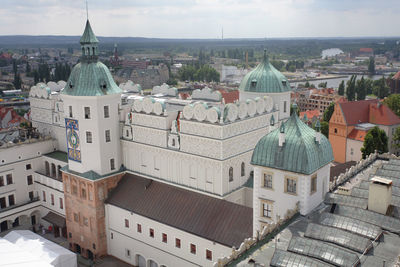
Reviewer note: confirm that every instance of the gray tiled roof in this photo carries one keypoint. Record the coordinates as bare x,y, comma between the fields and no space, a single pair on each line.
214,219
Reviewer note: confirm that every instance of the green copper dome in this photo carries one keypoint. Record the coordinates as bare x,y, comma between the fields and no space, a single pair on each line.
265,79
300,153
90,77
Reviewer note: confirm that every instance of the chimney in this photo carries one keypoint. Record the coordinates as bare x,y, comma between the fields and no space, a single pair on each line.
282,135
380,194
318,132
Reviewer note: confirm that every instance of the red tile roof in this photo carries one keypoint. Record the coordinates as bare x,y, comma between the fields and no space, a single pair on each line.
356,112
396,76
310,113
366,50
382,114
357,135
229,97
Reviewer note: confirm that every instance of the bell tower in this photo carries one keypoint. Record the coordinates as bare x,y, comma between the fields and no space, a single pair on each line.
91,107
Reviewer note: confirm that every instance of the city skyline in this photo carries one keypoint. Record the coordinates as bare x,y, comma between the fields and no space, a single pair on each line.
203,19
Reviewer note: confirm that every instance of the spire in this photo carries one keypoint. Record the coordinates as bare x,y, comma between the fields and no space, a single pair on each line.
89,44
88,36
265,58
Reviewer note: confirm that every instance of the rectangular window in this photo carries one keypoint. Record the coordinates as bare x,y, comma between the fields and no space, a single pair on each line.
164,238
74,189
126,223
106,112
127,253
177,243
291,186
30,195
108,136
284,106
208,254
11,200
44,196
76,217
2,202
1,181
83,193
267,180
151,232
61,203
139,228
112,164
52,199
112,236
192,248
89,137
29,179
70,111
267,210
9,178
85,221
87,113
28,166
313,188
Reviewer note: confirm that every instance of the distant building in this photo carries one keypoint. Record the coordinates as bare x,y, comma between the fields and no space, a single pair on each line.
318,99
394,83
366,52
350,123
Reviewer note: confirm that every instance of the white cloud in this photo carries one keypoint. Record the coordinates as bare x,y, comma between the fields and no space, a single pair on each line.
203,18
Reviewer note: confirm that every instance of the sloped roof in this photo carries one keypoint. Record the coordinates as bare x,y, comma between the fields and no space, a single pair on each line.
229,97
89,79
310,113
356,112
357,134
366,49
265,79
300,153
382,114
214,219
396,76
88,36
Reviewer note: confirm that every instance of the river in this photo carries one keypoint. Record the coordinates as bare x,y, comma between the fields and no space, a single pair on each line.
334,83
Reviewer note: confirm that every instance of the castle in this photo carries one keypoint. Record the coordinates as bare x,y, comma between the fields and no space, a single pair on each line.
156,180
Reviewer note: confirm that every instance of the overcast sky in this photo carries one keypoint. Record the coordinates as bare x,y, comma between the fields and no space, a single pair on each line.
203,18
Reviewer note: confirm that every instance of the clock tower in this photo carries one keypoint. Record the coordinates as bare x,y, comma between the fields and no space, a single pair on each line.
91,106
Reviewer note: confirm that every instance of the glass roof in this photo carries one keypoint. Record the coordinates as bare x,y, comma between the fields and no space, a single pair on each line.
385,222
363,193
365,185
323,251
346,200
339,237
284,258
355,226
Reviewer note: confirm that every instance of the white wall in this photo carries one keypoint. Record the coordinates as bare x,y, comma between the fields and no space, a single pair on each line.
154,248
281,201
96,155
353,150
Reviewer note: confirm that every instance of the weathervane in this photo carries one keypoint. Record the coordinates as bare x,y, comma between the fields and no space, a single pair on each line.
87,10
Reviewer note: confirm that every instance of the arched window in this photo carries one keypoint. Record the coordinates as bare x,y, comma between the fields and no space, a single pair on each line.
83,51
230,174
88,51
243,170
53,170
59,172
47,167
93,51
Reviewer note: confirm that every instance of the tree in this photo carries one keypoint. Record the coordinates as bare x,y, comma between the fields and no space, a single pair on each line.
371,66
360,89
380,89
307,84
325,128
328,112
351,88
375,139
36,76
17,81
368,86
396,138
393,102
323,85
341,88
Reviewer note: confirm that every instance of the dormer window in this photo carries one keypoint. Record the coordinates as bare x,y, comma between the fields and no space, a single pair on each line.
253,83
103,85
71,85
284,83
